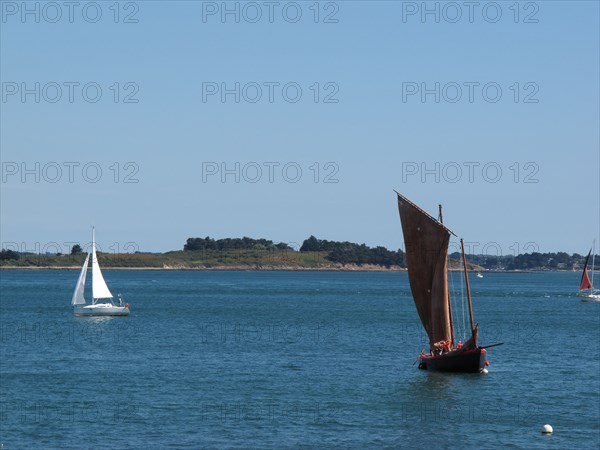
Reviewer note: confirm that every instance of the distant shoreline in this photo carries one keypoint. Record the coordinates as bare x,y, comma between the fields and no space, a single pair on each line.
347,268
316,255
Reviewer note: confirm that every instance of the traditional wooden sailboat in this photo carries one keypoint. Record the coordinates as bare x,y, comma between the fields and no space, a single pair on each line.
426,240
586,286
99,291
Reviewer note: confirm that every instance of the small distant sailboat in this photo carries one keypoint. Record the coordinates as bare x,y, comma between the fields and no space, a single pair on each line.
479,275
100,291
426,240
586,286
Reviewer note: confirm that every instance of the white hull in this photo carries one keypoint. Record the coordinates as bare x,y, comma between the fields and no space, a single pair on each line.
590,297
100,309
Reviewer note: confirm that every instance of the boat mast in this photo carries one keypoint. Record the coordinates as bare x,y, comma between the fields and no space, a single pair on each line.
593,265
449,302
93,256
462,246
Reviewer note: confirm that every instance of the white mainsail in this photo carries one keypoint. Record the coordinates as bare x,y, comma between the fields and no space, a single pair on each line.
99,287
78,298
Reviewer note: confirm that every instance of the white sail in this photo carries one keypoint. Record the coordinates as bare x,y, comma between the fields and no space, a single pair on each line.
99,287
78,298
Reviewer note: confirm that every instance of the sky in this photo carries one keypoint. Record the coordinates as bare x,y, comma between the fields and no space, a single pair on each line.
157,121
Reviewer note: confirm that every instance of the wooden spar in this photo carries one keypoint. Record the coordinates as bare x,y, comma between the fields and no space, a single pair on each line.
462,246
441,219
491,345
418,208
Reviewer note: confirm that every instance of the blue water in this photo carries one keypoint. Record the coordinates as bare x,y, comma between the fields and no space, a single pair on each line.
291,359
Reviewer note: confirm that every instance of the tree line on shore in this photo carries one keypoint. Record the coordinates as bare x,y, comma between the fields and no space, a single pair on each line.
350,253
245,243
360,254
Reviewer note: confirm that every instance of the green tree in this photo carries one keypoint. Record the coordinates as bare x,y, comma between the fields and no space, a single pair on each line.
310,245
8,254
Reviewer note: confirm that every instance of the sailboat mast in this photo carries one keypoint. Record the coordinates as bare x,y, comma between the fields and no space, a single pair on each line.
593,264
441,219
93,257
462,246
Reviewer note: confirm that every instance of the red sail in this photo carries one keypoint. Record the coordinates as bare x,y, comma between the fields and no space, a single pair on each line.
426,241
585,279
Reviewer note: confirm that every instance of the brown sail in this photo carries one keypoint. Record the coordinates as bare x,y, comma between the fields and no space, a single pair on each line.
426,241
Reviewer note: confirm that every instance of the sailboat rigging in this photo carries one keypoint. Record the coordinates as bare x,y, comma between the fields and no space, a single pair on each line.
426,241
100,291
586,285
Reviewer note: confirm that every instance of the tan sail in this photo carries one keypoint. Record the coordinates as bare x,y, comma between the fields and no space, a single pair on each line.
426,246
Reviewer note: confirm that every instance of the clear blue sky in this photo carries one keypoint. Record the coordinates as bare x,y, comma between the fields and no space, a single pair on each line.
379,136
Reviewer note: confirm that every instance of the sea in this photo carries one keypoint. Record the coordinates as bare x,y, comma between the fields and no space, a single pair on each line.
261,359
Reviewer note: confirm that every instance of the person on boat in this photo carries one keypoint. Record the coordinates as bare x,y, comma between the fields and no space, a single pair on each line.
440,347
120,300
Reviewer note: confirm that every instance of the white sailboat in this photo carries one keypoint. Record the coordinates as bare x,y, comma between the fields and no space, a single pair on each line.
100,291
586,286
